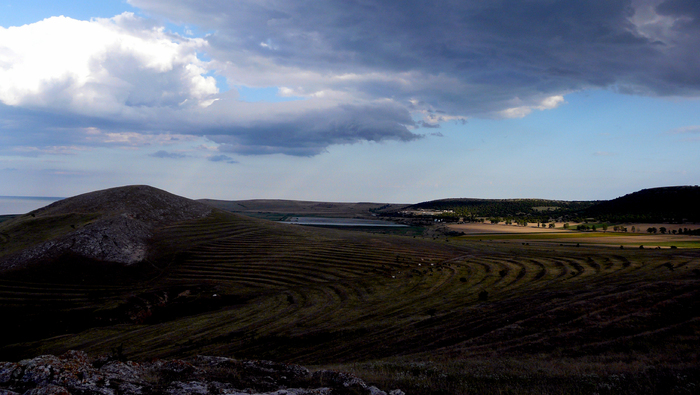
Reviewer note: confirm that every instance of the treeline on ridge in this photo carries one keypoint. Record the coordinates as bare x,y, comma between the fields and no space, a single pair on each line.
655,205
534,210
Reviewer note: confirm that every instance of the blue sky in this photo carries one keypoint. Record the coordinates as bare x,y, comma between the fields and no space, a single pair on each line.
350,101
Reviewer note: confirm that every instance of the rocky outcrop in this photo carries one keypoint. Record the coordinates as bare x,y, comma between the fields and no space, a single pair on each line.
75,373
125,218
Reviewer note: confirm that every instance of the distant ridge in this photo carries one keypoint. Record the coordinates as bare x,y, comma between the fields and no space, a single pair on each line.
503,207
664,204
111,225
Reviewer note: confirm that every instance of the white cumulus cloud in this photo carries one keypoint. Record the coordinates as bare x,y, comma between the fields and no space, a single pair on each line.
102,66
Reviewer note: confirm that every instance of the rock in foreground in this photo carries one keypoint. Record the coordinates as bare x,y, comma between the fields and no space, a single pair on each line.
75,373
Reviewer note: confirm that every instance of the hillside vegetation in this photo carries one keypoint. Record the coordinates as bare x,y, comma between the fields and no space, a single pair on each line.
506,207
668,204
428,316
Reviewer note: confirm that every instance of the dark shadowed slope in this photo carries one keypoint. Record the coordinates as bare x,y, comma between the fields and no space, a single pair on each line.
652,205
112,225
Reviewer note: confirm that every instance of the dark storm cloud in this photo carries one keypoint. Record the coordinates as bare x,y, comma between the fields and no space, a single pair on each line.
311,133
365,69
222,158
168,155
689,9
496,51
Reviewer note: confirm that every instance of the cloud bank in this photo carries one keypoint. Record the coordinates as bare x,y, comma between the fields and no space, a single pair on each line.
363,70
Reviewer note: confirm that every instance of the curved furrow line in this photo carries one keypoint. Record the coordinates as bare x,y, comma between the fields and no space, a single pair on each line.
210,231
45,296
217,237
235,326
6,301
359,256
235,243
623,261
352,263
44,287
327,272
521,273
470,275
57,293
365,291
248,254
540,273
607,263
501,270
241,277
486,271
693,322
441,280
341,298
250,279
303,275
682,265
348,265
563,270
593,264
577,268
326,302
287,278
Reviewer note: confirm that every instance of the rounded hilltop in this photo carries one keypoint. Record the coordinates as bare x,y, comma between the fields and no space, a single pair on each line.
141,202
111,225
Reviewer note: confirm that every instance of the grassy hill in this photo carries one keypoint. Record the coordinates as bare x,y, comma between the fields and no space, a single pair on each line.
667,204
428,316
655,205
506,207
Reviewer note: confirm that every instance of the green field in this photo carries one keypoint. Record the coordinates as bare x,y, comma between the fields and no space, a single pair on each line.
538,236
427,316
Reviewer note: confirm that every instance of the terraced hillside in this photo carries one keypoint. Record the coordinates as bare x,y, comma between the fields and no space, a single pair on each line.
231,285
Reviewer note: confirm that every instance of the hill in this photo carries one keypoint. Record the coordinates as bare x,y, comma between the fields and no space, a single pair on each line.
112,225
443,315
281,209
470,208
654,205
666,204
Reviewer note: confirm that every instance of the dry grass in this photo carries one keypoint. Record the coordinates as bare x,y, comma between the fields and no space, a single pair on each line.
501,227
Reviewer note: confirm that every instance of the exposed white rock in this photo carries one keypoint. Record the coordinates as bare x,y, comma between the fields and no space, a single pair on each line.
125,220
74,373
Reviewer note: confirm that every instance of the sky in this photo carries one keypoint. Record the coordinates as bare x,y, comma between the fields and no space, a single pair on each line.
350,100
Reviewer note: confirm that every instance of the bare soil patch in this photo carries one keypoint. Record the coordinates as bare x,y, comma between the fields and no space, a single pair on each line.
472,228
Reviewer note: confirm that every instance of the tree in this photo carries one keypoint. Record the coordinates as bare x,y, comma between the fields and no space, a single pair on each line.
605,227
551,225
652,230
662,230
566,225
